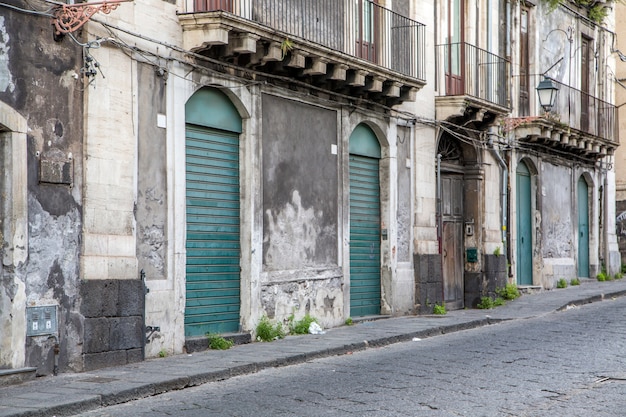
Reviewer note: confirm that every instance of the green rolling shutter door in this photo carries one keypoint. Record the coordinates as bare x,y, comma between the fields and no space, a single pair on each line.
364,223
213,235
583,228
524,227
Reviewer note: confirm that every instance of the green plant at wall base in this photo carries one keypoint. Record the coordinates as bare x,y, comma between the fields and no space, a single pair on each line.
486,303
301,326
574,281
162,353
561,283
619,275
266,331
601,276
496,251
498,301
509,292
349,321
217,342
439,309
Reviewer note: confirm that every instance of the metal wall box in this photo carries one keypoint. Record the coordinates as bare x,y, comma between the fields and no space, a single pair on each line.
41,320
471,254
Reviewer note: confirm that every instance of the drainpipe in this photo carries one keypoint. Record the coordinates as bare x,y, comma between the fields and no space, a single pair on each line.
503,199
57,351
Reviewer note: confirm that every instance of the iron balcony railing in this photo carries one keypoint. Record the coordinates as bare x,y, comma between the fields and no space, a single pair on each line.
359,28
465,70
575,108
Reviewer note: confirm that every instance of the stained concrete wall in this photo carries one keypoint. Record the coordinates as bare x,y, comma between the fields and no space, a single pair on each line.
299,185
38,82
300,197
152,173
558,210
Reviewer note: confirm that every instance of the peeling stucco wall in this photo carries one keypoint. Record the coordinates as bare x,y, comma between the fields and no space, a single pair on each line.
36,81
322,299
152,181
299,185
6,78
557,224
300,219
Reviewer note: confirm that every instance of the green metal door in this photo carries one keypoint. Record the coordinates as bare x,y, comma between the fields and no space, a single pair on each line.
583,228
213,215
524,227
364,223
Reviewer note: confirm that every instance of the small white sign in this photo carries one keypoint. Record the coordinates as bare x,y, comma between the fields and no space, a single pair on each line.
161,120
333,149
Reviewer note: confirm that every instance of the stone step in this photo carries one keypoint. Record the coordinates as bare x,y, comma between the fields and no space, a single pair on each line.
529,289
16,376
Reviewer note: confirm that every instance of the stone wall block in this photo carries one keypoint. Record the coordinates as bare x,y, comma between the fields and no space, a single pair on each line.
99,298
96,335
473,290
131,298
126,333
93,361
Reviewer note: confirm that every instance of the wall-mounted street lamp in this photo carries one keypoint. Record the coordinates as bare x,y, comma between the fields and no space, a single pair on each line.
547,90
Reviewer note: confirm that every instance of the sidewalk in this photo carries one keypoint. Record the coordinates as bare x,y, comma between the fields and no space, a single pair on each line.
69,394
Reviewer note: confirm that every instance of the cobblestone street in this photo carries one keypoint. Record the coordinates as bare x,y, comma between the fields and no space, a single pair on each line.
568,363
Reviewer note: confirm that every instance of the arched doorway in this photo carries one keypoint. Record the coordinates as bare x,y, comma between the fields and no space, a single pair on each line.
524,226
364,222
583,228
212,128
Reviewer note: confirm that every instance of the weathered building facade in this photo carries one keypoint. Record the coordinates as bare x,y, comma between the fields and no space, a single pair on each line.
562,220
620,154
184,168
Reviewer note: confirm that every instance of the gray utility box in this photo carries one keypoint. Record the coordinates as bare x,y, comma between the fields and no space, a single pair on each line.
41,320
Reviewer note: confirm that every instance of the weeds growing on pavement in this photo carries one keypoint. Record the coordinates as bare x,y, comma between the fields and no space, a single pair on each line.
301,326
574,281
562,283
218,342
486,303
601,276
266,331
439,309
509,292
349,321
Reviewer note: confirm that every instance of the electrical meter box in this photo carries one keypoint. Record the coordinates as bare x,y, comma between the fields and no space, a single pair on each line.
41,320
472,255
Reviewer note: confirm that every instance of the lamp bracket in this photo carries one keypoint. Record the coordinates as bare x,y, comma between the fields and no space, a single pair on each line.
71,17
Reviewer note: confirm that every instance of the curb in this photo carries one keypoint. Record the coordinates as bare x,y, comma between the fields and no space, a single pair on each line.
592,299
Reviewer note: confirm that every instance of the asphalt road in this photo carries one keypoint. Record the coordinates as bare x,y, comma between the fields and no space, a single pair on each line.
570,363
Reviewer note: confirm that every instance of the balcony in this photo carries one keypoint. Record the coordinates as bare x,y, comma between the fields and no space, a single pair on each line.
471,82
580,124
355,48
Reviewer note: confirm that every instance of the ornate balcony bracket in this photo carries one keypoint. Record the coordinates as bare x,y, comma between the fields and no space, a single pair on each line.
71,17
